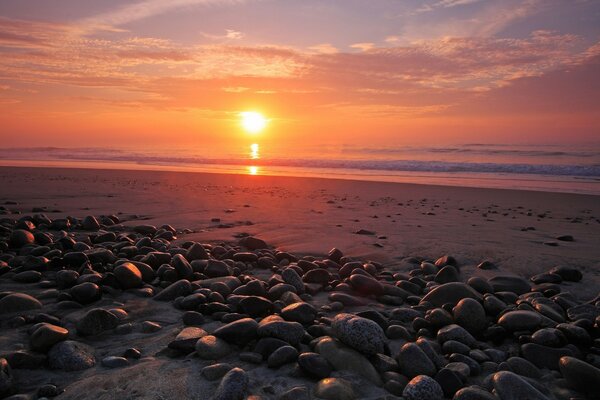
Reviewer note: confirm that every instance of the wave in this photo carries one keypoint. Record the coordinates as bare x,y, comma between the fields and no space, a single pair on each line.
404,165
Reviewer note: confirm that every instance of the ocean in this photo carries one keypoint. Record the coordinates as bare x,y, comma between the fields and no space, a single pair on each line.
572,169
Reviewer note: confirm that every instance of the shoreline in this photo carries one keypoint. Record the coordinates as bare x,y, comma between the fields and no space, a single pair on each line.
230,170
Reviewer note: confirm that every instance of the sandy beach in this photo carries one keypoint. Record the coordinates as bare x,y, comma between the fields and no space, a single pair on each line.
396,226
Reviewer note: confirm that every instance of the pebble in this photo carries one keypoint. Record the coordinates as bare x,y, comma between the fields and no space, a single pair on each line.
212,348
86,293
182,266
182,287
301,312
291,332
473,393
315,365
18,303
456,332
239,332
70,355
510,386
359,333
520,320
96,321
365,285
128,276
412,361
334,389
114,362
543,356
513,284
290,276
281,356
580,375
451,293
20,237
256,306
423,387
343,358
46,336
216,371
449,380
233,386
470,314
185,341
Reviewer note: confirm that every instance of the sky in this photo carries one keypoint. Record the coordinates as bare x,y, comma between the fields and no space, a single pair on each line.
169,73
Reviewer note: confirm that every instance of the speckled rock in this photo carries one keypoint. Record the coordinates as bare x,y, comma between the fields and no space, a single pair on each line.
359,333
233,386
70,355
423,387
510,386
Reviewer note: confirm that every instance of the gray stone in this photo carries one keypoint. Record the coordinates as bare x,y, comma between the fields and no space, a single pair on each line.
413,361
185,341
216,371
423,387
513,284
281,356
291,277
233,386
96,321
359,333
70,355
520,320
301,312
182,287
343,358
543,356
182,266
469,314
114,362
456,332
274,326
314,365
239,332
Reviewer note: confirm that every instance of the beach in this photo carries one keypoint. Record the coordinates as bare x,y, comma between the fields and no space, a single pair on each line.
397,226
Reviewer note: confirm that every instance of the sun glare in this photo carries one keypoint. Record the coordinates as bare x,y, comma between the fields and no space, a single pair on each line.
253,122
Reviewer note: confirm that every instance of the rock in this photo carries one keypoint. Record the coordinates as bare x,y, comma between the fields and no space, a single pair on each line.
347,299
549,337
185,341
239,332
469,314
70,355
252,243
580,375
86,293
359,333
28,277
301,312
18,303
450,381
96,321
216,371
182,266
520,320
281,356
128,275
291,277
233,386
446,260
291,332
256,306
315,365
182,287
196,252
46,336
344,358
295,393
473,393
365,285
212,348
423,387
456,332
90,223
20,237
334,389
115,362
317,275
510,386
193,318
146,230
413,361
523,367
447,274
6,378
543,356
451,293
567,273
150,327
513,284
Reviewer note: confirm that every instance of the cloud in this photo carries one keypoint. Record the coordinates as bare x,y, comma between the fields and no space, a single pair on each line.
145,9
324,48
363,46
230,34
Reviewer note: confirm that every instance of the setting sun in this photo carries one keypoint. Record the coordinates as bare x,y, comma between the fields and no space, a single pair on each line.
253,122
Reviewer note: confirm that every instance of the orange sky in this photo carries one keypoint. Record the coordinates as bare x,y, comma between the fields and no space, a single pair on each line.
178,73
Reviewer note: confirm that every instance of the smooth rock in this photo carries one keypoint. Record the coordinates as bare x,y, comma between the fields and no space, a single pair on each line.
86,293
334,389
7,381
510,386
344,358
239,332
451,293
301,312
46,336
520,320
456,332
114,362
581,376
182,287
186,340
470,314
96,321
412,361
18,303
513,284
128,275
281,356
212,348
315,365
233,386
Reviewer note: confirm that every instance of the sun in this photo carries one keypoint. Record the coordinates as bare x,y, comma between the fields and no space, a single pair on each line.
253,122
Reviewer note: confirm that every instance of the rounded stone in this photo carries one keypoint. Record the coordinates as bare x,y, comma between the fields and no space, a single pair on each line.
20,237
281,356
115,362
359,333
18,303
470,314
423,387
520,320
233,386
513,284
413,361
96,321
510,386
366,285
451,293
70,355
239,332
128,276
301,312
334,389
581,376
46,336
314,365
86,293
212,348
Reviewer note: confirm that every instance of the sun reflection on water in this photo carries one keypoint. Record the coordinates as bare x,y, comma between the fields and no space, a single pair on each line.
253,170
254,151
